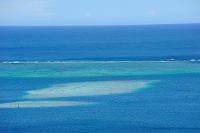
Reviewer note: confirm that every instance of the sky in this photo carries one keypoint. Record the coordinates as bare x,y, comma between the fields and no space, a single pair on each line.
98,12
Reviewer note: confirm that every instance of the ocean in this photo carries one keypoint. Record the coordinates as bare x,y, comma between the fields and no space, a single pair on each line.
102,79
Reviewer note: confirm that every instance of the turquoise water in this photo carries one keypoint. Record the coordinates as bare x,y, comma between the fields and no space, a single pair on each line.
109,79
98,69
100,97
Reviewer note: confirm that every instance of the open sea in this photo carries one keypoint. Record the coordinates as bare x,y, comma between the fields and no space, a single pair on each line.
100,79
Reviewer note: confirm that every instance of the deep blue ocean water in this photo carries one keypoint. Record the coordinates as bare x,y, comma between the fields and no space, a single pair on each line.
102,53
153,42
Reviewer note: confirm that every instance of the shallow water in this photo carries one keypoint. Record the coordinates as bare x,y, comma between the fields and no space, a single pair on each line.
133,96
98,69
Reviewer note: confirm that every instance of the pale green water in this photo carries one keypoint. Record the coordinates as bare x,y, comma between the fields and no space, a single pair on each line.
40,104
97,69
77,89
92,88
155,96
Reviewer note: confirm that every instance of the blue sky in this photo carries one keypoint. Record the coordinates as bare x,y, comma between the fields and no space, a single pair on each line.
98,12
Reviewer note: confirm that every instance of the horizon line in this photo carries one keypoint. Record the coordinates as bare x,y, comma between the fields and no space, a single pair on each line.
85,25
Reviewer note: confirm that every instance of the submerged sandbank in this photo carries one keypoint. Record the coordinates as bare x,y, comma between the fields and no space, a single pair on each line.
92,88
77,89
40,104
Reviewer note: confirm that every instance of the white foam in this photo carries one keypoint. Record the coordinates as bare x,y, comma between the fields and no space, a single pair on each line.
87,89
171,59
40,104
86,61
193,60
